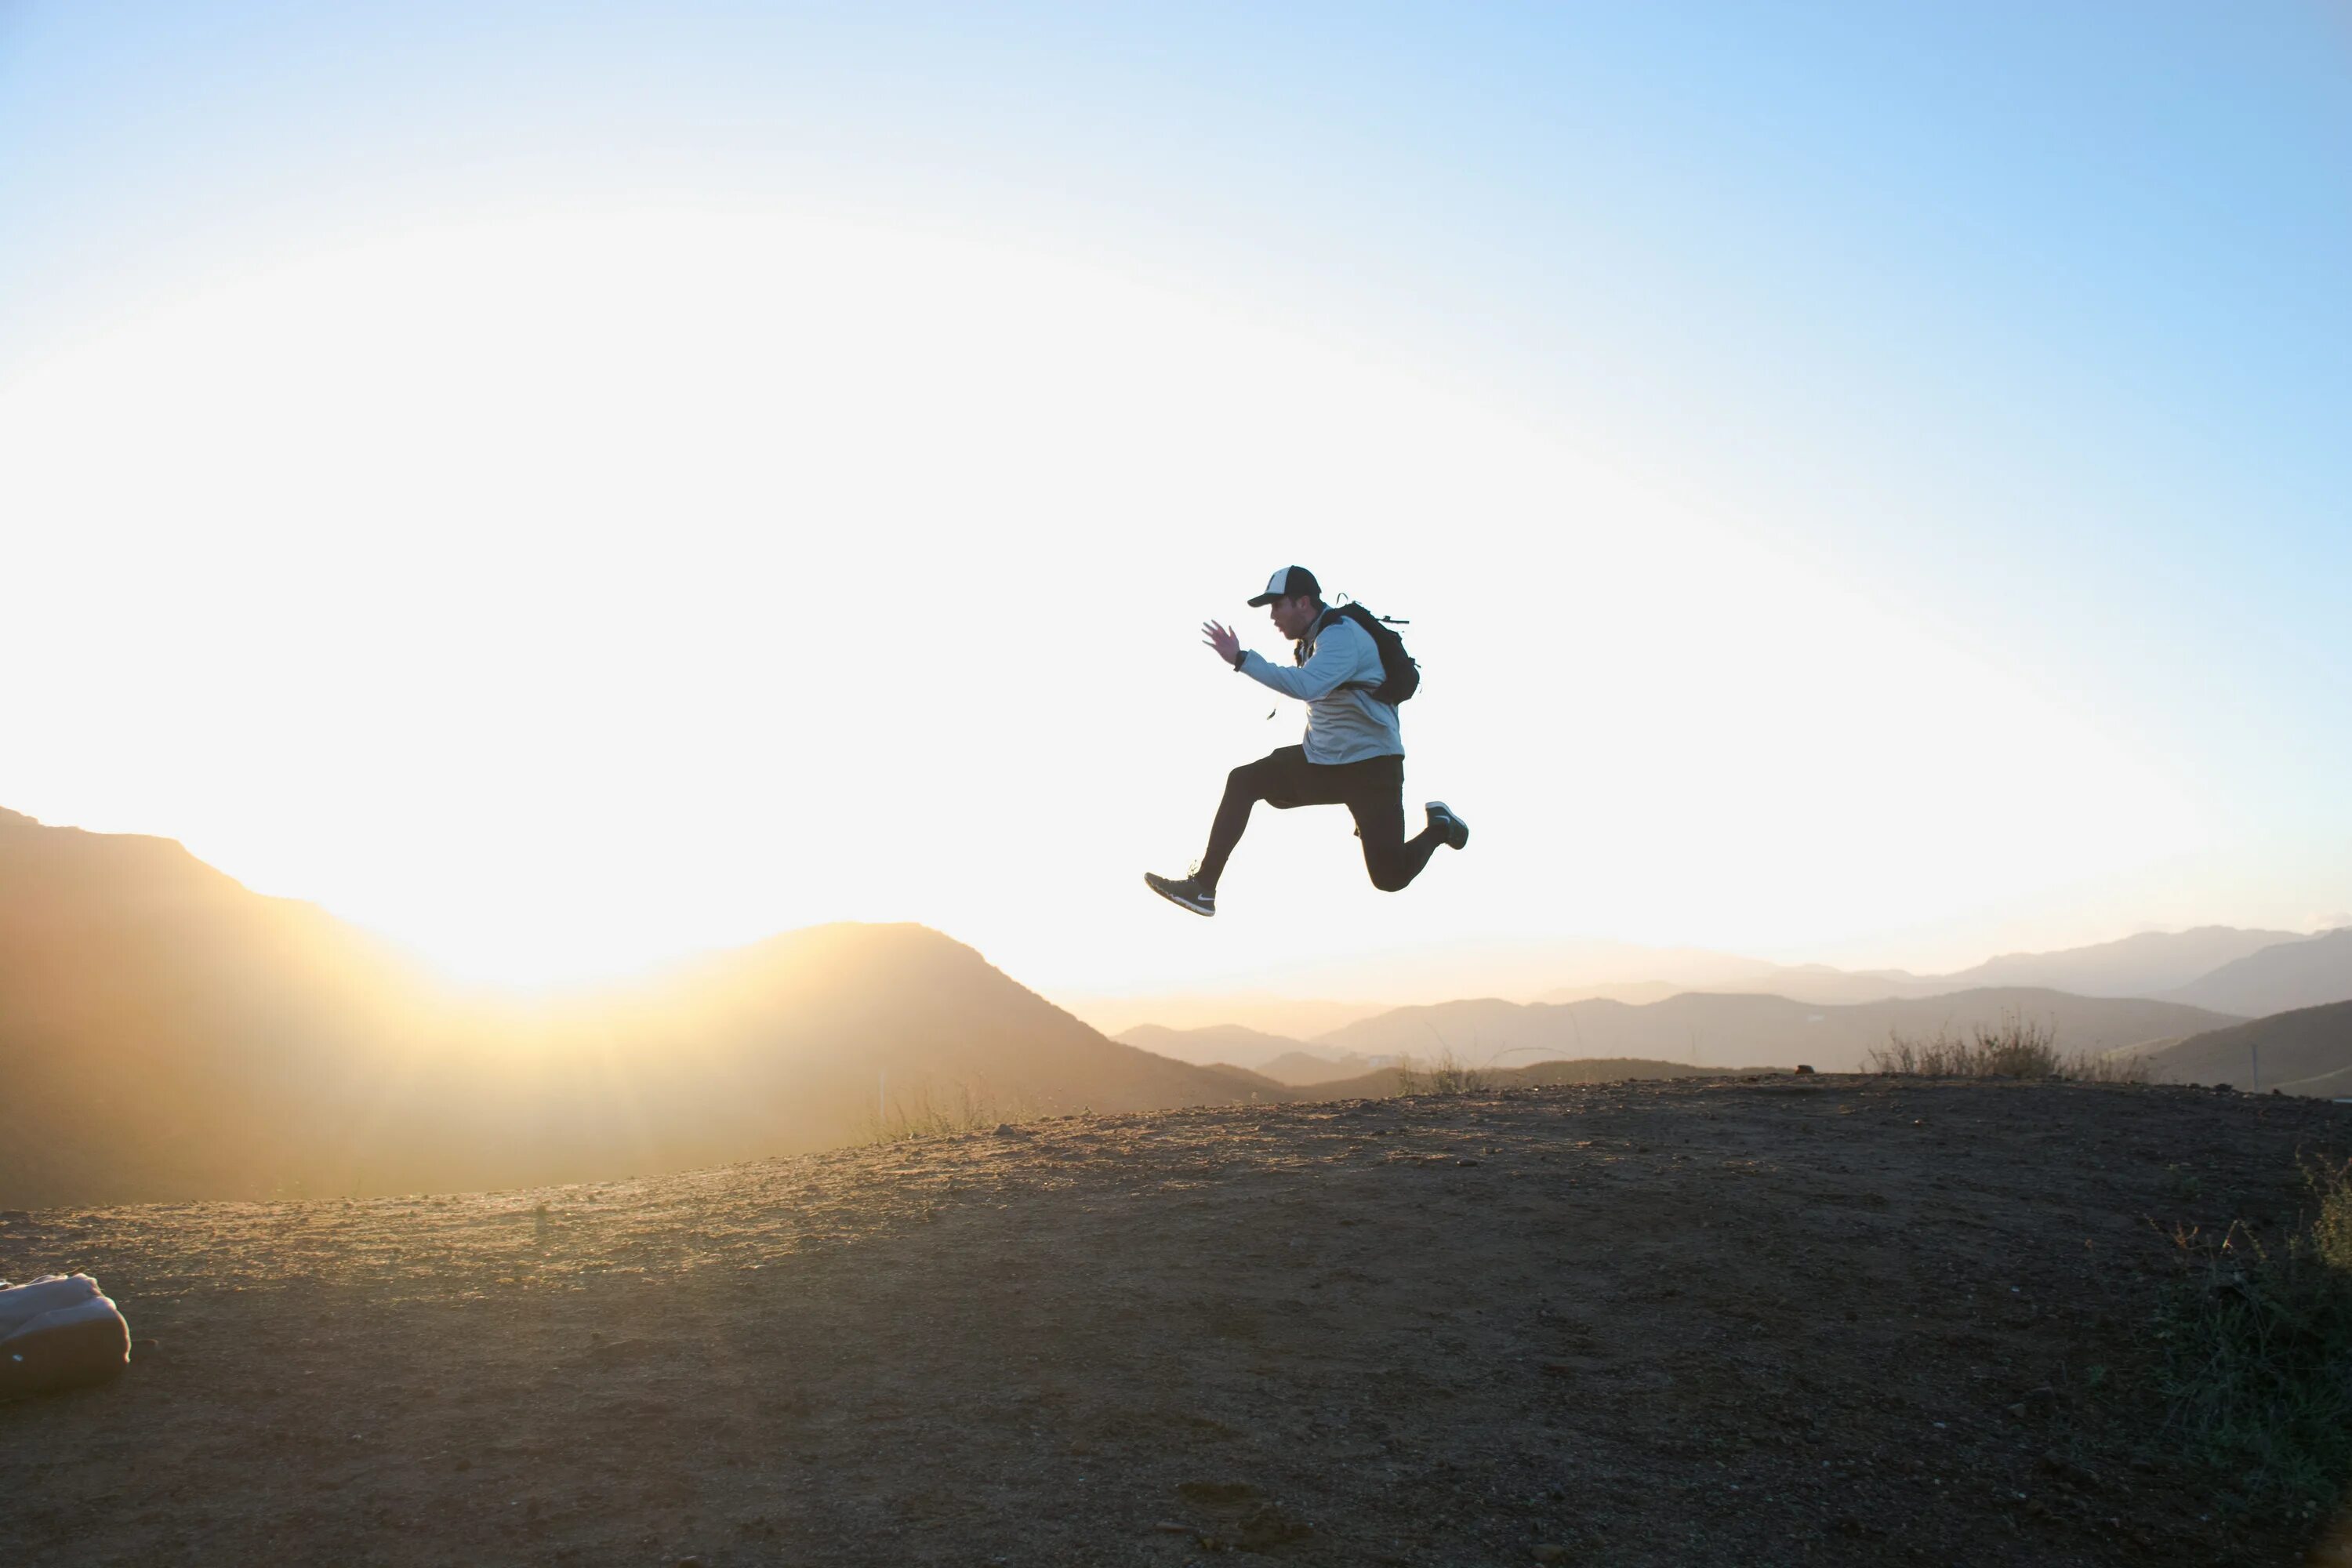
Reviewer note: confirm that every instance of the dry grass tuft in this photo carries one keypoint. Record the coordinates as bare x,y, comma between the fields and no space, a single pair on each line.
963,1109
1445,1075
2016,1047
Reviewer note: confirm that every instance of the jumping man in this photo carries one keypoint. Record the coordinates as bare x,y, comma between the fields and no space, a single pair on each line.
1353,755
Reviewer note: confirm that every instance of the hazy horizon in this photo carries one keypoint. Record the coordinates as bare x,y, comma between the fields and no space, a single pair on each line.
1339,988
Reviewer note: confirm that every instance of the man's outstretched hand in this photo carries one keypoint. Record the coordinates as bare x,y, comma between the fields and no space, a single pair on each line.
1222,638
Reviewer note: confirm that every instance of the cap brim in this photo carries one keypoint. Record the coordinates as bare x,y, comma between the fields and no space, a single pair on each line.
1263,599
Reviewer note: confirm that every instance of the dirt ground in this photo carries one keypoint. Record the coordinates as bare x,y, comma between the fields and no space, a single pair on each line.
1825,1321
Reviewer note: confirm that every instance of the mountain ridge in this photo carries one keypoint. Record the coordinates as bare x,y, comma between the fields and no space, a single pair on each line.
2308,973
166,1033
2150,965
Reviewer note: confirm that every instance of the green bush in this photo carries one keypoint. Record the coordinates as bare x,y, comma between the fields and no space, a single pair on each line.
2257,1341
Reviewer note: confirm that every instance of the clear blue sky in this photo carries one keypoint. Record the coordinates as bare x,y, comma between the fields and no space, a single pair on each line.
2033,322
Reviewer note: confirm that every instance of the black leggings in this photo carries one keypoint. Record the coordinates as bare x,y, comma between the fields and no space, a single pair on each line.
1372,790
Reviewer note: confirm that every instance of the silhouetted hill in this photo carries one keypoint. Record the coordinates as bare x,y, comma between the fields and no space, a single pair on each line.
1722,1031
1817,985
1634,992
166,1033
1217,1043
1292,1017
1282,1060
2308,972
2306,1051
165,1030
1299,1069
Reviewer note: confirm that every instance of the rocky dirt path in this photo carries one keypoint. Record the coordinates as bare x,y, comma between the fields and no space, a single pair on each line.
1834,1320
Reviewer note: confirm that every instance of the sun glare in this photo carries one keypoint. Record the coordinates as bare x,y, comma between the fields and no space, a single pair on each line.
561,594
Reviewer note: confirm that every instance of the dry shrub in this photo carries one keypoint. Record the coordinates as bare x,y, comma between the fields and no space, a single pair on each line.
962,1109
1445,1074
2015,1048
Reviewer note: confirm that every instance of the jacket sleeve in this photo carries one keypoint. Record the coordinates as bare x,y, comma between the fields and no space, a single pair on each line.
1336,660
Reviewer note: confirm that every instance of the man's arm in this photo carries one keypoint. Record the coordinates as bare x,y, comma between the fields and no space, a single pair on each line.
1336,660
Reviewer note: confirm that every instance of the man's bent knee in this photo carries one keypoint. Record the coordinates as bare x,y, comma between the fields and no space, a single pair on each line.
1245,783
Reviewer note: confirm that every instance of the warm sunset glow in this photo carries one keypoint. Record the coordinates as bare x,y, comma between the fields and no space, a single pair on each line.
562,593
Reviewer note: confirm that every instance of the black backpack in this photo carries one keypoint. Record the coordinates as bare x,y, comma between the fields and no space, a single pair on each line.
1401,677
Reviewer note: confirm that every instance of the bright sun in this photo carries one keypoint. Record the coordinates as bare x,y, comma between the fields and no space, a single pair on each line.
561,594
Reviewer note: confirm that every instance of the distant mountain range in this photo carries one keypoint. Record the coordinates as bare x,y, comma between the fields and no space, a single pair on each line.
165,1033
1229,1045
1694,1027
2223,969
1272,1057
2157,964
1275,1056
1724,1030
1259,1012
1306,1069
2151,964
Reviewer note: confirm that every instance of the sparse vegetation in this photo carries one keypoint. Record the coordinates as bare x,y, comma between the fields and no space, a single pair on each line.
2258,1350
2016,1047
1443,1075
923,1115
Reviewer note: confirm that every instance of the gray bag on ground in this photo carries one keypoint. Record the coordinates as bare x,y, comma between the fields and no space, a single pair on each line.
58,1332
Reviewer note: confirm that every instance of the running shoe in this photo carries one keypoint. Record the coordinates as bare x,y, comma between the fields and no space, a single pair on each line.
1187,892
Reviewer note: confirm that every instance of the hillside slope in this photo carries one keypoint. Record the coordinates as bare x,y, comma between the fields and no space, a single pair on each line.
164,1030
166,1033
2308,973
2308,1051
1842,1322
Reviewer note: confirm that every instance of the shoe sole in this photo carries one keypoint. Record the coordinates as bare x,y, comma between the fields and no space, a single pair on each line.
1208,913
1439,808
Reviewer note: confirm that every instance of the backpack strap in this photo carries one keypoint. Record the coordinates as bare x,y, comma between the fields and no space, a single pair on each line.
1302,650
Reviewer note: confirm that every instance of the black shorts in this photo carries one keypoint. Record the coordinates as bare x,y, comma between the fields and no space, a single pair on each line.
1372,790
1285,778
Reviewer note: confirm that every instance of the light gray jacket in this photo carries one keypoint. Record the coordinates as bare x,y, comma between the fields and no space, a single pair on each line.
1343,723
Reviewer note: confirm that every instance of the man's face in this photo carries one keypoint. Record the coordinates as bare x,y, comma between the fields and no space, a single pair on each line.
1292,616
